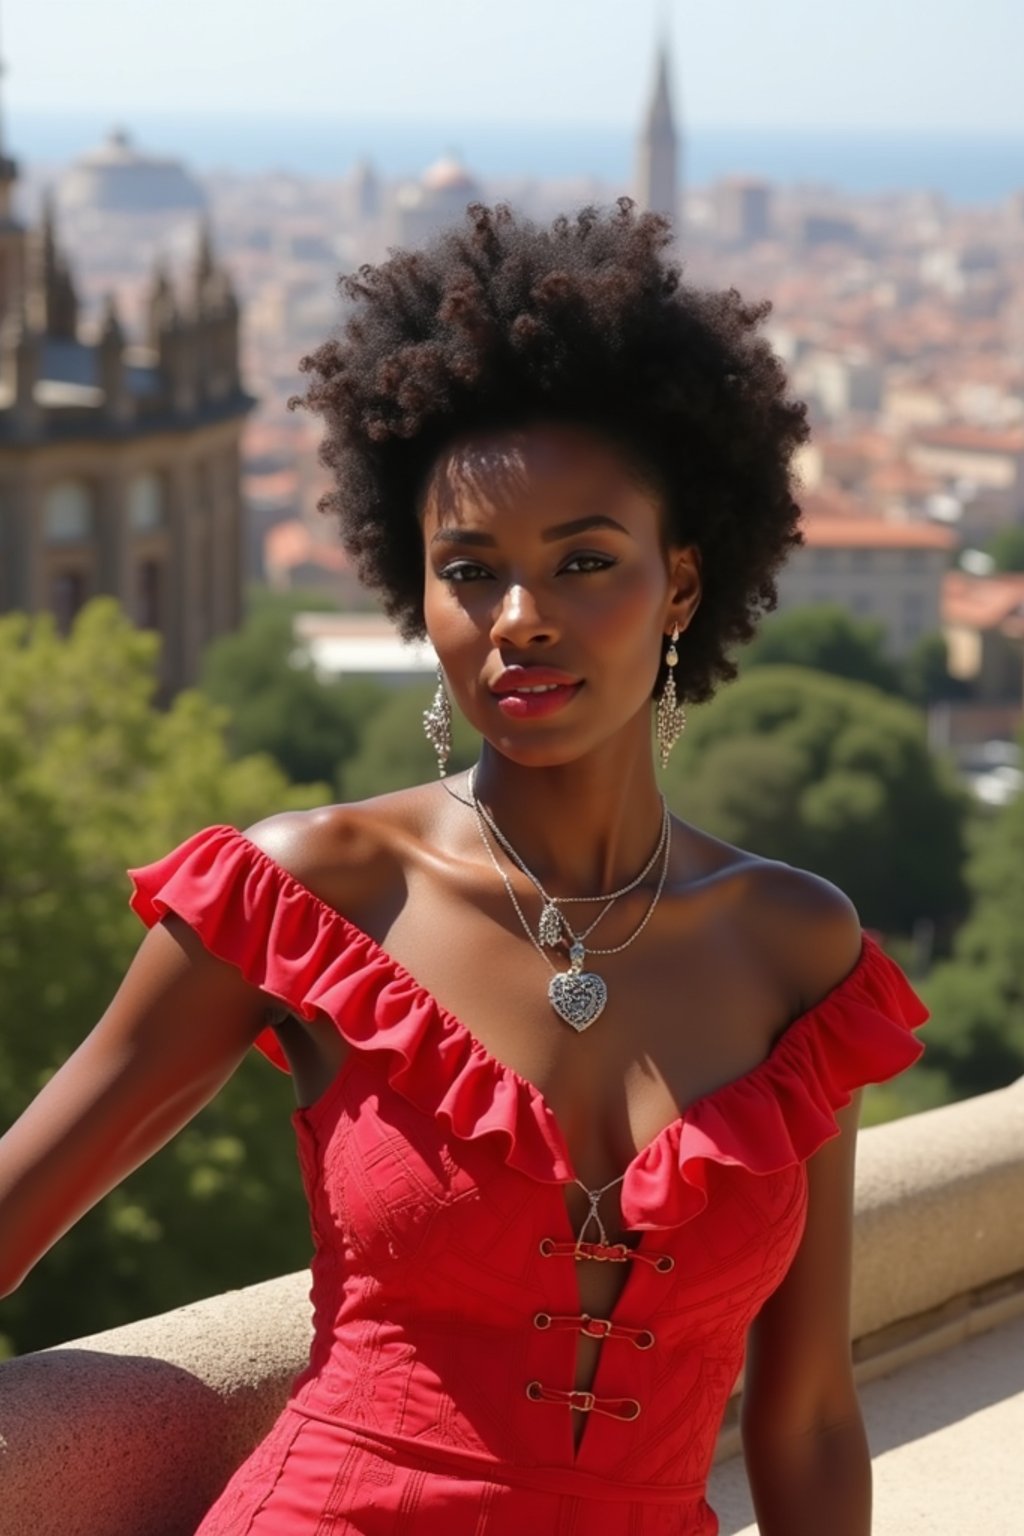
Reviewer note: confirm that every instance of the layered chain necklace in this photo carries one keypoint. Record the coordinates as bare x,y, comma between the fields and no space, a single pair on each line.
577,996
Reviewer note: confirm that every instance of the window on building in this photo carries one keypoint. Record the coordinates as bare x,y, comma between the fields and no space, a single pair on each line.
146,503
914,559
862,559
67,594
149,594
67,513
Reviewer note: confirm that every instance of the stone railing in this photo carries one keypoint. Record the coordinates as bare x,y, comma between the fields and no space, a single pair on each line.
133,1432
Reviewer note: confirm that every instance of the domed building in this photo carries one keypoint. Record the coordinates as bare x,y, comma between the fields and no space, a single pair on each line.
118,178
438,199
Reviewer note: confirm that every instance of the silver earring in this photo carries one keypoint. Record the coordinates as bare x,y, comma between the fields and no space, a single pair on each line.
437,724
670,716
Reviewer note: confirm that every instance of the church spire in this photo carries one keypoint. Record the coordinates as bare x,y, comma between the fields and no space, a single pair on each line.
657,182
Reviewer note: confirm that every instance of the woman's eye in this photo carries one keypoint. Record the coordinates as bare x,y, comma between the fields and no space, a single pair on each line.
463,570
586,563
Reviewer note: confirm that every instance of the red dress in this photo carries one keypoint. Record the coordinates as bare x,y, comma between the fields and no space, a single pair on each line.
437,1396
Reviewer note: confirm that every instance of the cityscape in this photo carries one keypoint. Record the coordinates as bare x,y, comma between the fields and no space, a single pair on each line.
153,296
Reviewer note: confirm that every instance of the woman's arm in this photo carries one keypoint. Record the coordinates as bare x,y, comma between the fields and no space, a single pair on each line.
179,1025
804,1444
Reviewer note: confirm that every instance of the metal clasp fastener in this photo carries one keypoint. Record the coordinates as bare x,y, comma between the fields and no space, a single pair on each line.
583,1401
596,1327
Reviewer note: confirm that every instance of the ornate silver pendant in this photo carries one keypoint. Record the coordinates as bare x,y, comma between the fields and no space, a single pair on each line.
550,929
576,995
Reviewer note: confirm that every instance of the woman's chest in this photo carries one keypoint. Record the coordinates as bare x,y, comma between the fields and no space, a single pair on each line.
688,1005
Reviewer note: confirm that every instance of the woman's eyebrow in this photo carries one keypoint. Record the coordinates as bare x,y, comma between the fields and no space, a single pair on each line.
581,525
479,539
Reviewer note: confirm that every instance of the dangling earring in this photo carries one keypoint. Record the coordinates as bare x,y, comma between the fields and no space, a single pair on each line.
670,716
437,724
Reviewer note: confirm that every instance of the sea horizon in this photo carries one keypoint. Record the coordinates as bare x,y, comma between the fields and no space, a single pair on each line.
961,167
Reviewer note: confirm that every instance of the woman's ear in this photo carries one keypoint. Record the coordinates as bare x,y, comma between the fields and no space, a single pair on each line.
684,584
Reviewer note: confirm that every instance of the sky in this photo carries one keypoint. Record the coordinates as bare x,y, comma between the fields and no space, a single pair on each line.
949,65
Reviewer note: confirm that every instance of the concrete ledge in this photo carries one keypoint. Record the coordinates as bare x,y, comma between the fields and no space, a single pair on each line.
939,1197
134,1432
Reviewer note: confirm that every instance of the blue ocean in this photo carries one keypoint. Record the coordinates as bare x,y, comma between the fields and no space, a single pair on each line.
962,168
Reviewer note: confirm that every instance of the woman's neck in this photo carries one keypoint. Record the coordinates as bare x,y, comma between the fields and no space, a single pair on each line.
581,829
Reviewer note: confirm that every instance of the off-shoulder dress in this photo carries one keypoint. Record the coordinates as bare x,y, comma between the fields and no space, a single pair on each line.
446,1309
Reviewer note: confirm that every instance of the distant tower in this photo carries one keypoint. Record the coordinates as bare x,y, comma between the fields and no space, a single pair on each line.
657,179
12,237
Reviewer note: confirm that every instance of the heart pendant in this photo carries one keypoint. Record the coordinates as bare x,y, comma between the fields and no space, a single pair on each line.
578,997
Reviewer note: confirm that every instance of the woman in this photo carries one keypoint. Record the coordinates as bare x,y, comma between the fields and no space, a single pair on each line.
579,1082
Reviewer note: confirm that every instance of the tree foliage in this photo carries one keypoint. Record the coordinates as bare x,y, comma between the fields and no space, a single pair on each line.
278,703
977,1034
1007,548
827,638
832,776
97,779
394,752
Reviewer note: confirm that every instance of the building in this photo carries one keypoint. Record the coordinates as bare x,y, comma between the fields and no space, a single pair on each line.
983,619
118,178
981,469
890,572
844,385
658,150
438,200
346,645
743,211
119,459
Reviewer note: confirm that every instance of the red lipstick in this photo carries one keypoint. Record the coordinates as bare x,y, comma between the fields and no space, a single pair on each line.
528,693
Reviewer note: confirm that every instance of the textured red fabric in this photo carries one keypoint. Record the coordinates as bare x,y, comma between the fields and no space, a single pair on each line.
437,1395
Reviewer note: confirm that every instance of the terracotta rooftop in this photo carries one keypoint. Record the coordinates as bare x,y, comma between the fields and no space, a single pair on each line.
291,543
902,478
983,602
972,439
874,533
828,501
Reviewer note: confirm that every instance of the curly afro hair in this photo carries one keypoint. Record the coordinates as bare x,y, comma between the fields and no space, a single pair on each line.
500,322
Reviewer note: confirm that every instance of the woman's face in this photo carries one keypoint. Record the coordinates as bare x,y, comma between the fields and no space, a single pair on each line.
549,589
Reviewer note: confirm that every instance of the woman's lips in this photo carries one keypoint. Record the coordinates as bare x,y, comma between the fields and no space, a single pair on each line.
531,702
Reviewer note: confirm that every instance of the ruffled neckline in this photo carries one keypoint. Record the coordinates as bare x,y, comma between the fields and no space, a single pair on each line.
251,912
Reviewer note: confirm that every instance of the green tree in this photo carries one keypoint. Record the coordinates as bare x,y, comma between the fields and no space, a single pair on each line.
826,638
97,779
1007,548
278,703
394,752
832,776
977,1034
925,672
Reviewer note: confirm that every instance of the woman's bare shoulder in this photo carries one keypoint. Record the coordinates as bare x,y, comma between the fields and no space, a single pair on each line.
346,853
807,929
808,924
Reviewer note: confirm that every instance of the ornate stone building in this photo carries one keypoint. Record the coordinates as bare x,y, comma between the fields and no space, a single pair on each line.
658,150
119,461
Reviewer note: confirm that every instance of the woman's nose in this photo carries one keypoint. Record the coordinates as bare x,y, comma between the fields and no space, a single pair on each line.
519,620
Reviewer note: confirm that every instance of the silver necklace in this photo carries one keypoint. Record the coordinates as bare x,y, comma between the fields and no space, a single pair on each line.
554,925
577,996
